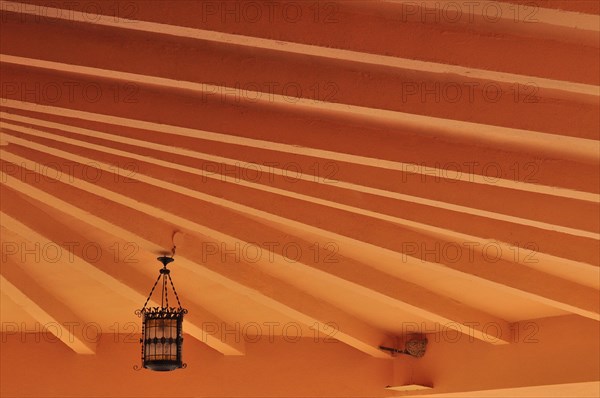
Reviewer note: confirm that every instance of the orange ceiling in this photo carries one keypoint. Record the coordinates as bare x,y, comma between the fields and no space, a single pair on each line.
357,170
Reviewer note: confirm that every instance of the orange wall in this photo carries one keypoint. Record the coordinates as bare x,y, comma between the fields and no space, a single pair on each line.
268,369
546,351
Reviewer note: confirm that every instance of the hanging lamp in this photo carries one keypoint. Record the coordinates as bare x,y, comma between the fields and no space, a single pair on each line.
162,334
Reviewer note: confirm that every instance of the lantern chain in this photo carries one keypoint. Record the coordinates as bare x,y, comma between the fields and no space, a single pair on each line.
174,291
151,291
166,292
164,273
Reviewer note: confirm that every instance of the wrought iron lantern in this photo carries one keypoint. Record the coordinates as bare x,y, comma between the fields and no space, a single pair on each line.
162,334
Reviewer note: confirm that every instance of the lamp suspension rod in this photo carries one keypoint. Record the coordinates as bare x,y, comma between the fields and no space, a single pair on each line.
393,350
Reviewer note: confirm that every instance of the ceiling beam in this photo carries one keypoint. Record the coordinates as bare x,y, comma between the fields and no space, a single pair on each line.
312,152
196,321
586,21
407,91
498,226
513,278
275,171
566,147
266,290
400,294
54,316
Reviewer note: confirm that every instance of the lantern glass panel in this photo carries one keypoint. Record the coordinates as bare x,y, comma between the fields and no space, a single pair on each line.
162,340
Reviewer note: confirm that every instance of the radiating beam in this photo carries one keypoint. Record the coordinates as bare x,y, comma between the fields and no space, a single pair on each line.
288,148
311,50
267,291
581,149
553,291
195,320
404,295
274,170
44,308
